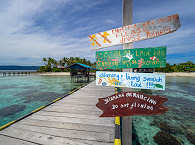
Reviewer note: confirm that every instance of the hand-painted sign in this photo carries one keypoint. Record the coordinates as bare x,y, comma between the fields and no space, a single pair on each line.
131,58
131,80
135,32
131,103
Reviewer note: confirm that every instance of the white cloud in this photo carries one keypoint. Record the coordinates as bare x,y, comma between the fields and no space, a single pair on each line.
158,8
15,44
24,41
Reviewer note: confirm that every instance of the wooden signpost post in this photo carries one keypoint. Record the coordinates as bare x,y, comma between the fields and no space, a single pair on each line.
126,121
153,81
131,58
135,32
131,103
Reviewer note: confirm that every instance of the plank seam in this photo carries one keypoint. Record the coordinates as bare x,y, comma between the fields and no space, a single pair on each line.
65,128
64,111
20,139
63,137
78,123
69,117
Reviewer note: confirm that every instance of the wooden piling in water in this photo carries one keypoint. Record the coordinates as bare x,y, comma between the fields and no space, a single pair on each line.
4,74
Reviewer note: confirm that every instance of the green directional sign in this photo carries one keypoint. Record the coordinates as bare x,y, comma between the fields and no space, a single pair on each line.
131,58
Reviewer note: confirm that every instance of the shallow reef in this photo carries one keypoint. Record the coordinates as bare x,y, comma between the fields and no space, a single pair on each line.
11,110
163,138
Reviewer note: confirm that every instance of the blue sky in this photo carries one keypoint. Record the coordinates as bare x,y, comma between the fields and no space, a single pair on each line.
33,29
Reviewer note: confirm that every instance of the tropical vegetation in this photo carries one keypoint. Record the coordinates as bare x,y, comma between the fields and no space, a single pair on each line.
188,66
53,65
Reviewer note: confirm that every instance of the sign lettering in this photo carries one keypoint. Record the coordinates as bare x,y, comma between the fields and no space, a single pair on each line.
131,103
131,58
131,80
135,32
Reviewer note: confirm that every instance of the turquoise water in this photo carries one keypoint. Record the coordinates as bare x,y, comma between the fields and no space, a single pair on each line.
19,95
175,127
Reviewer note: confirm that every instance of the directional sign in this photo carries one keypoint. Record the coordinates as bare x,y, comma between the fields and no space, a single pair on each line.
131,58
135,32
154,81
131,103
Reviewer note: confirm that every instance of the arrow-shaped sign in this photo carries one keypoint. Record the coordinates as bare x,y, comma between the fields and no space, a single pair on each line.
131,103
135,32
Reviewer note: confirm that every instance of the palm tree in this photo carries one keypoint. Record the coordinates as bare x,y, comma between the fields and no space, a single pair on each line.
65,61
60,62
52,62
45,60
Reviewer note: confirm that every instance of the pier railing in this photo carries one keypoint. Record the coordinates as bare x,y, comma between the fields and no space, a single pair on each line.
5,74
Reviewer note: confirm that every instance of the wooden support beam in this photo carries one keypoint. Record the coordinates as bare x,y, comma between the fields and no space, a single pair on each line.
127,121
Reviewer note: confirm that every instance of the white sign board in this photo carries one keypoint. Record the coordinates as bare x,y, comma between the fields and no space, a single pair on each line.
153,81
135,32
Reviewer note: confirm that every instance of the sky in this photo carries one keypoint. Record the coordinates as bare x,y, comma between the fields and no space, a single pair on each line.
33,29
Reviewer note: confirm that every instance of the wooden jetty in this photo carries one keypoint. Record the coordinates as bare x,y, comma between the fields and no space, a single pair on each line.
73,120
4,74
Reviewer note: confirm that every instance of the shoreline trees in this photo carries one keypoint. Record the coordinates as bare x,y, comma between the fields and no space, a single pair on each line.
188,66
53,65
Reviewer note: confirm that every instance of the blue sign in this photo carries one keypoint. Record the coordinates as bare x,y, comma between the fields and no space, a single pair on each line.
153,81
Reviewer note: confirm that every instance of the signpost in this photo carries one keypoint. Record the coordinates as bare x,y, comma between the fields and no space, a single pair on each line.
153,81
135,32
131,103
131,58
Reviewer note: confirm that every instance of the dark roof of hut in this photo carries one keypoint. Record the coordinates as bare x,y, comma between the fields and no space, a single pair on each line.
79,66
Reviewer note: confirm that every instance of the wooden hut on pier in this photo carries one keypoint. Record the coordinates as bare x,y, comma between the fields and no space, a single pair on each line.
80,72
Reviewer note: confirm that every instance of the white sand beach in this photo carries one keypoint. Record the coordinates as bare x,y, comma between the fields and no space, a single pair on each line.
186,74
181,74
55,74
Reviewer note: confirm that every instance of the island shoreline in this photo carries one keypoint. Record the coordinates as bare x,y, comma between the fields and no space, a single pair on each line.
172,74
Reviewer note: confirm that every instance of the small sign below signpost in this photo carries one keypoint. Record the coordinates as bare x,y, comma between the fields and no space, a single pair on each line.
131,58
135,32
153,81
131,103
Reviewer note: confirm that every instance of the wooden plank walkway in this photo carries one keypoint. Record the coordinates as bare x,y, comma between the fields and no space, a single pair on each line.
73,120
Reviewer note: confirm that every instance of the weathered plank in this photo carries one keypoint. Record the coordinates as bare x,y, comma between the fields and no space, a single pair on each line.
86,112
76,107
101,121
5,140
67,125
71,110
88,94
67,133
80,116
75,102
46,139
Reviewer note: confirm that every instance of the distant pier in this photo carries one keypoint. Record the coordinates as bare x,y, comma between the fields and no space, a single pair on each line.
5,74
